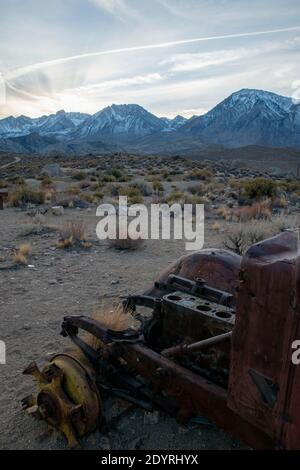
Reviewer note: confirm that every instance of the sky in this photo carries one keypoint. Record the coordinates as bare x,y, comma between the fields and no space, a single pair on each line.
169,56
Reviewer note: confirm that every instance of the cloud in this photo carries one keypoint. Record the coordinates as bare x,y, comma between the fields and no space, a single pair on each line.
41,65
197,61
117,8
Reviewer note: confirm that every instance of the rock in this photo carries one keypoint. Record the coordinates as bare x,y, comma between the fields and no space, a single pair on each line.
151,418
57,210
52,170
52,282
115,282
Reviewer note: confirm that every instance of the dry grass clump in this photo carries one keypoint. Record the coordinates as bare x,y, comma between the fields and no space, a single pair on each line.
25,195
200,174
224,212
132,192
259,210
216,226
113,318
123,241
128,243
73,234
21,253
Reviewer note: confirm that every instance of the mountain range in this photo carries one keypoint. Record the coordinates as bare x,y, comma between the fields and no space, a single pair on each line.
247,117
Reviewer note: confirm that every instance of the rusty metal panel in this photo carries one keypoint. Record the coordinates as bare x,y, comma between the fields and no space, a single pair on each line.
262,377
193,394
218,267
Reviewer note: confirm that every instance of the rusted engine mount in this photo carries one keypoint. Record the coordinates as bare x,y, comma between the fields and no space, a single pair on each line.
214,339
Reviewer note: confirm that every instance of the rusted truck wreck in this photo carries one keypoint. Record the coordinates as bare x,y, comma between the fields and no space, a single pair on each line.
216,342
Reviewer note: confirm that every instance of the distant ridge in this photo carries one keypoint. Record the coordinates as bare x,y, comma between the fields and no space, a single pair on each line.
247,117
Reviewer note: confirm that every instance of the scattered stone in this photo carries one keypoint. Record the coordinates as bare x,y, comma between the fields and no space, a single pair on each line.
57,210
52,170
151,418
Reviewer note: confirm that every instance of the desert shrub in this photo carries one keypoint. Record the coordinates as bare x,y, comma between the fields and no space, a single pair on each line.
242,236
157,186
259,210
126,243
216,226
74,190
200,174
79,175
108,178
46,181
192,199
73,234
144,187
96,186
196,189
279,202
26,195
132,192
175,196
116,173
235,183
65,200
259,188
3,184
136,199
180,197
90,198
98,195
290,185
224,212
16,179
21,253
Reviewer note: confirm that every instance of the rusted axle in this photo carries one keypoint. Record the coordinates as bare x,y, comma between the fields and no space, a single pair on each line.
183,349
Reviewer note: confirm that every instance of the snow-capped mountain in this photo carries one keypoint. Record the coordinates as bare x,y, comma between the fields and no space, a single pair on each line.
249,117
127,121
12,126
60,122
175,123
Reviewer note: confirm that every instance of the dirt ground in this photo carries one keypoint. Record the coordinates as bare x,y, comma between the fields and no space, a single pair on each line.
33,301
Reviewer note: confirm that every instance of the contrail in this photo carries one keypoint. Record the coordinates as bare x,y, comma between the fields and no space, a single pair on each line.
41,65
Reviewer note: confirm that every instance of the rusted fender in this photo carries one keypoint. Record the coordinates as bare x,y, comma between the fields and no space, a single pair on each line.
218,267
